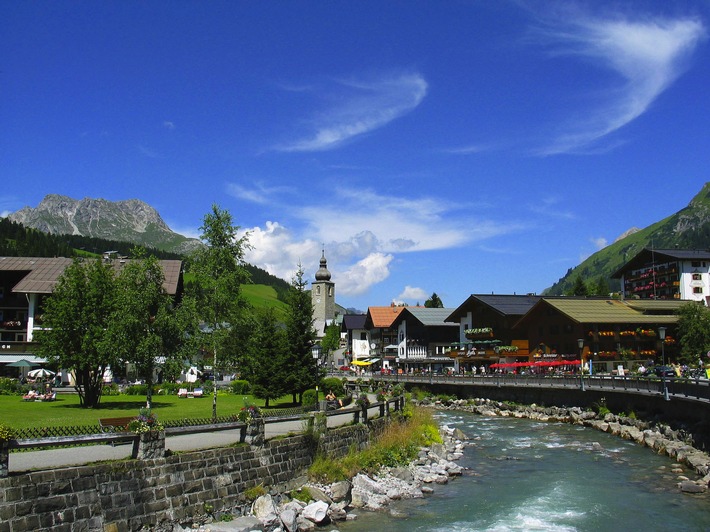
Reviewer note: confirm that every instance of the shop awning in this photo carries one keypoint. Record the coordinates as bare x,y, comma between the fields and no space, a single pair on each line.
365,362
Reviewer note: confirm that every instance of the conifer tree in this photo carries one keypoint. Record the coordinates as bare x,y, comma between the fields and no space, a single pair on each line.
303,371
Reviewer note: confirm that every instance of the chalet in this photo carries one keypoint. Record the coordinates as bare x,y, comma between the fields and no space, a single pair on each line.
382,334
423,339
666,274
605,332
25,282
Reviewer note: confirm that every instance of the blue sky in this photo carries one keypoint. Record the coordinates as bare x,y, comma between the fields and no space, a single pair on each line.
454,147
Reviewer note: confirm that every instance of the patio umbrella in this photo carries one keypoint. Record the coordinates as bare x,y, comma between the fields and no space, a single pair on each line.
40,373
22,363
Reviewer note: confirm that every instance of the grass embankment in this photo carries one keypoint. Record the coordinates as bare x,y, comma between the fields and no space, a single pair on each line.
66,411
398,445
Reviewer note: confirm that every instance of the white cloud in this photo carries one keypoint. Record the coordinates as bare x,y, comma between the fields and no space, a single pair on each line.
649,56
258,194
167,124
600,242
364,274
550,207
412,294
362,106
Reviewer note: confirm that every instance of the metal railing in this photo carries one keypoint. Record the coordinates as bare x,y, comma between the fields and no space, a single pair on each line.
687,388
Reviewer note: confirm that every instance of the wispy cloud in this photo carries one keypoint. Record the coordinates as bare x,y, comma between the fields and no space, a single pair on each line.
550,207
362,106
648,55
151,154
599,242
363,232
259,193
167,124
411,294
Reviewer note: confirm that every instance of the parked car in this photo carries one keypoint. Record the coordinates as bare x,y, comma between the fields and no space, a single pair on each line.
664,371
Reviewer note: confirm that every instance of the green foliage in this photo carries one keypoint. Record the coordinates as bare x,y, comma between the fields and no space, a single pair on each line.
331,340
434,302
9,386
335,384
578,288
77,324
600,408
6,432
265,365
216,291
302,369
239,387
253,493
302,494
308,398
693,332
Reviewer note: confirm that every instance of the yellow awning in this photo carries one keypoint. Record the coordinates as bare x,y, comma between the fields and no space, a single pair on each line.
362,362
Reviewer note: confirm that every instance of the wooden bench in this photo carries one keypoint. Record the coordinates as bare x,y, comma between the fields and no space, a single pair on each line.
115,424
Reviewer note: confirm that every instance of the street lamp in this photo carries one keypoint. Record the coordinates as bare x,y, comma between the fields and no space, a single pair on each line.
315,351
580,343
662,336
396,368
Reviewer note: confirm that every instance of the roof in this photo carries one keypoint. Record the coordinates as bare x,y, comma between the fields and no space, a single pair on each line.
429,317
44,272
504,304
648,255
582,310
383,317
354,321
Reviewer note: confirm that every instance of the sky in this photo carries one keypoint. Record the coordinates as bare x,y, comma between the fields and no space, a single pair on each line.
449,147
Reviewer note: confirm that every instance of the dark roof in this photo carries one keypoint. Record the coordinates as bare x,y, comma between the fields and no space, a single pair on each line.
504,304
43,273
648,255
354,321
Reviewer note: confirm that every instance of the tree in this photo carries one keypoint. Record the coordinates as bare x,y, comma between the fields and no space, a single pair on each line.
579,288
600,288
434,302
145,323
219,273
266,366
693,332
76,320
303,369
331,340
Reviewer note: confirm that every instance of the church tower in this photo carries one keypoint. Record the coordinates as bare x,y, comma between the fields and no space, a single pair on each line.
323,293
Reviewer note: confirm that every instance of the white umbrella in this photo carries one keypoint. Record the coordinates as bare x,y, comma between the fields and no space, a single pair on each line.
40,373
192,374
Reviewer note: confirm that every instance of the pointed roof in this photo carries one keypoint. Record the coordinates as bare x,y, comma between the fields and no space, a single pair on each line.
503,304
382,317
429,317
647,255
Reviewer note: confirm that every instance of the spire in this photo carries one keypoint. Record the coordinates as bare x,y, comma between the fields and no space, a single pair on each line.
323,274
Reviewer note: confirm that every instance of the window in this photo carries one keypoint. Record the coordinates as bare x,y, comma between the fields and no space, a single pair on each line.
698,290
697,277
330,291
318,290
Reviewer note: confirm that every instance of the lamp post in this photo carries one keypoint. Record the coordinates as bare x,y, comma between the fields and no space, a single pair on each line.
662,336
396,368
315,351
580,343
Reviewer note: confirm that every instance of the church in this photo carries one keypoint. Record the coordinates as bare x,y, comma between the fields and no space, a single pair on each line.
323,298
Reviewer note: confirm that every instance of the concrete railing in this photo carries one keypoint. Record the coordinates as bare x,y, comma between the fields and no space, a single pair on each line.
146,446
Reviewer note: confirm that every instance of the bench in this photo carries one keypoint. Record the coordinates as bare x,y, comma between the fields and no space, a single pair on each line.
115,424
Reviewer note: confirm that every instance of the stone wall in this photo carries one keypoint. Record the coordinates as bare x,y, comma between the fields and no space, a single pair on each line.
127,495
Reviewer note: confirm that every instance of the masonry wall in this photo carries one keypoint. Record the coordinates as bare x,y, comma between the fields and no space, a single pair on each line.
126,495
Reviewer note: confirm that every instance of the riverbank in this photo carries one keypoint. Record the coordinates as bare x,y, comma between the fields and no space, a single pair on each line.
658,437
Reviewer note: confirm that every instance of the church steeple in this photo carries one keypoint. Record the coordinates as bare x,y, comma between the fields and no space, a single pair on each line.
323,274
323,293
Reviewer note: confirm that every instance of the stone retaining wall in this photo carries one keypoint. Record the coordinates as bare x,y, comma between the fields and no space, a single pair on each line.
127,495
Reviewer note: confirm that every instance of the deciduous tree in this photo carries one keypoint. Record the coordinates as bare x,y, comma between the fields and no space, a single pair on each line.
76,319
219,274
693,332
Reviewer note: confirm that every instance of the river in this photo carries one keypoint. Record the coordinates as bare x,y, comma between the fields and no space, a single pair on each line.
533,476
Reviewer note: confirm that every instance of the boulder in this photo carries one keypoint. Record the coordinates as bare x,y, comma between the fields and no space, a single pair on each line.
263,506
289,519
316,512
340,491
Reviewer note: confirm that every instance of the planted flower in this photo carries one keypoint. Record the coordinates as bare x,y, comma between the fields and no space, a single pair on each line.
248,414
146,421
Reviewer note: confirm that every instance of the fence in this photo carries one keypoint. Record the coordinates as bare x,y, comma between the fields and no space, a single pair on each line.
252,433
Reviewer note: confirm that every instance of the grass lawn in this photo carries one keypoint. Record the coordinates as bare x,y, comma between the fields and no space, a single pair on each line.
66,410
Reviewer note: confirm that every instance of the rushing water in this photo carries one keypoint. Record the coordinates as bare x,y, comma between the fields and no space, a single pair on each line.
527,475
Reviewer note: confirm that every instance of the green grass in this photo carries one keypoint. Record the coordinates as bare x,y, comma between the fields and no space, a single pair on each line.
263,296
65,411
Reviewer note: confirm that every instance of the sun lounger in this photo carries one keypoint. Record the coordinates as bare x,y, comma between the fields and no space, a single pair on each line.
198,392
182,392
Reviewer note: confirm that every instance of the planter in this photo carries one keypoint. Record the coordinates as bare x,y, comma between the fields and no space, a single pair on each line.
255,432
149,445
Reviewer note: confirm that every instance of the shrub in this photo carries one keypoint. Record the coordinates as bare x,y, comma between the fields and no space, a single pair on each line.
302,494
335,384
239,387
308,398
252,494
10,386
6,432
110,389
137,389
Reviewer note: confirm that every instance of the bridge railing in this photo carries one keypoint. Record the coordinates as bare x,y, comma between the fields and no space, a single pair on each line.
697,388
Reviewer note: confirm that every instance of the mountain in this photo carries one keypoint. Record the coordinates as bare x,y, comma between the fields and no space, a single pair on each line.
689,228
130,221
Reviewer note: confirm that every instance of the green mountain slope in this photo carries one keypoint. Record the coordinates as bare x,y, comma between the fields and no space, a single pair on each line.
689,228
